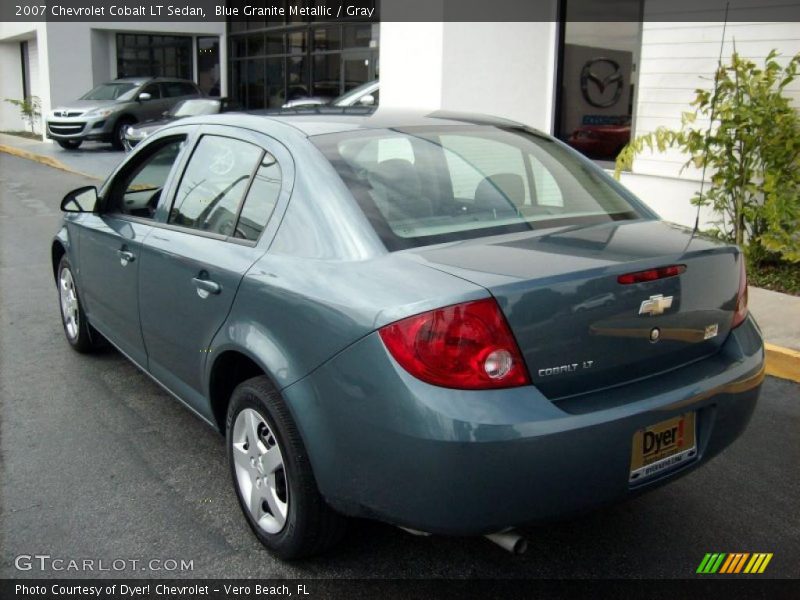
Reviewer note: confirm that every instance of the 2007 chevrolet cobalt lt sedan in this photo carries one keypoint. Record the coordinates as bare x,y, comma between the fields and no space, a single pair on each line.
451,323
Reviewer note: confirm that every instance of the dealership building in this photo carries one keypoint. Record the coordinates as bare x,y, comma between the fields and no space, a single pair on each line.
557,74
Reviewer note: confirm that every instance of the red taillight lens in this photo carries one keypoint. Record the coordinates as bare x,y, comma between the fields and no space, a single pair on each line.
465,346
740,314
651,274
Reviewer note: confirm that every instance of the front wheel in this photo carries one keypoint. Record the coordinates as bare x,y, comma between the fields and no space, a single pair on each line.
76,328
272,475
118,137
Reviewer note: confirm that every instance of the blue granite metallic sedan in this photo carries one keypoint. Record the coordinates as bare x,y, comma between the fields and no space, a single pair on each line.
450,323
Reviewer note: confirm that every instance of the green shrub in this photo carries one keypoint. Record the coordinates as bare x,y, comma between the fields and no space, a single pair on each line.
30,109
751,151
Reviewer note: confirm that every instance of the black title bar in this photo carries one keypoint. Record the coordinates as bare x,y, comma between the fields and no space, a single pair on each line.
385,589
298,11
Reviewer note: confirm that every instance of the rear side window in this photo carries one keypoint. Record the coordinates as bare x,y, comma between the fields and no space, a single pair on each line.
174,89
261,199
423,185
214,183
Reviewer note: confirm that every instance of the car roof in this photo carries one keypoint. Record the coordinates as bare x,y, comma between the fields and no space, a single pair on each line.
323,120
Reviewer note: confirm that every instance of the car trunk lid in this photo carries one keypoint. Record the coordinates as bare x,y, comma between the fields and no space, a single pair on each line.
578,328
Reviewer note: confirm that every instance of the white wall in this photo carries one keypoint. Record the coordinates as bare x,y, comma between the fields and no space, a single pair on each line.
101,45
676,59
502,69
11,76
11,34
411,64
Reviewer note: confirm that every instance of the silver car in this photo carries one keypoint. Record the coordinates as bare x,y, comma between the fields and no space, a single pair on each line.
364,95
105,113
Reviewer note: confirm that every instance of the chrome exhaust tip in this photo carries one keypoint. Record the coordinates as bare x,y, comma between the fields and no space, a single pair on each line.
510,541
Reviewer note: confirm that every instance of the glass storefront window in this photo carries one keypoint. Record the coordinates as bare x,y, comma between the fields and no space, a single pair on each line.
208,75
275,43
154,56
327,75
255,82
255,45
238,47
297,80
303,56
327,39
297,42
358,36
598,74
276,87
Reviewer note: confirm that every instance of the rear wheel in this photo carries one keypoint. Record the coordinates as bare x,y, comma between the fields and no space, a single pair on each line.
272,475
70,144
76,328
118,138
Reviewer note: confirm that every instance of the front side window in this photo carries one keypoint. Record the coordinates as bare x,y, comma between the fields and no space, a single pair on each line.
152,89
215,180
423,185
137,191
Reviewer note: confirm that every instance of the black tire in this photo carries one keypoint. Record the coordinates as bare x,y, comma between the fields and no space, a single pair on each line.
70,144
118,137
79,337
311,526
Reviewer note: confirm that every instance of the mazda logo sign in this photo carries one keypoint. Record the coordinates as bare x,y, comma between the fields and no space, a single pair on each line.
602,73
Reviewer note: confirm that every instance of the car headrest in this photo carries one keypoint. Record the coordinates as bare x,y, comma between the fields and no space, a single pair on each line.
501,191
398,183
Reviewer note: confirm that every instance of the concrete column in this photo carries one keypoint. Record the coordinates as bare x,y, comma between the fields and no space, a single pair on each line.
502,69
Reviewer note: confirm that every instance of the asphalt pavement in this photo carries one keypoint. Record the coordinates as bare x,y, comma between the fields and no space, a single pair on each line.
96,461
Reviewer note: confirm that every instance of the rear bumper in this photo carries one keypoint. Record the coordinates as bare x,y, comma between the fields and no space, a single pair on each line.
387,446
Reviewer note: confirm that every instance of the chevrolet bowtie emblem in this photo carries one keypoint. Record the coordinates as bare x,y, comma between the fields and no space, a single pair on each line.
656,305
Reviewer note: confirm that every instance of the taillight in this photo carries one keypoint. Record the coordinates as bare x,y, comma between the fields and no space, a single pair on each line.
651,274
740,314
465,346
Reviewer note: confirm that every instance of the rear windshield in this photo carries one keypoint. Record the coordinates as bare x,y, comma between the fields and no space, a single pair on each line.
421,186
109,91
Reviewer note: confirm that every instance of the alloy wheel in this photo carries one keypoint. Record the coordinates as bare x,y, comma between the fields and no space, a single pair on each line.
69,303
260,472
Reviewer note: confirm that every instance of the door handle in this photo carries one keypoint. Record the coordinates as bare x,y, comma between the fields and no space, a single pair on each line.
126,256
206,287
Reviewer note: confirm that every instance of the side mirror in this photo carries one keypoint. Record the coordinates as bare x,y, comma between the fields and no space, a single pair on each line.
81,200
367,100
144,96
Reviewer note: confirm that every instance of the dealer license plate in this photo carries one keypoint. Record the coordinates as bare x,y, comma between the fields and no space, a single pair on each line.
662,446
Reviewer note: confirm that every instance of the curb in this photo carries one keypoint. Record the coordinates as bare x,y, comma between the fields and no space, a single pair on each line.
783,362
42,159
